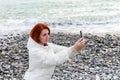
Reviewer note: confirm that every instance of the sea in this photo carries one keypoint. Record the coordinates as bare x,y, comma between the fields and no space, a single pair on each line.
88,16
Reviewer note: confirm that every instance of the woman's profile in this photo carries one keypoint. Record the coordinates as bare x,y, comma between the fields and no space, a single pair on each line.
44,56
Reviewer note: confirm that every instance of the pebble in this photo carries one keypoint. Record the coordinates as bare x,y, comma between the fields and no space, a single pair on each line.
100,59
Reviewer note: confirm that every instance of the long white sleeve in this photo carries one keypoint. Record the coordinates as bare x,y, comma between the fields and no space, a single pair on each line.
58,48
43,59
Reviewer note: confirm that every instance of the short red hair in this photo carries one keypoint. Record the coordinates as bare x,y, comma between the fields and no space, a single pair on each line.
36,31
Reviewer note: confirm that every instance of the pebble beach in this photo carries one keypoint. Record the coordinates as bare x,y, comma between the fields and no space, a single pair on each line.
99,60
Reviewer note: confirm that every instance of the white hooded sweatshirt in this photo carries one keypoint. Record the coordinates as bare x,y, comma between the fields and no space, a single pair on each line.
43,59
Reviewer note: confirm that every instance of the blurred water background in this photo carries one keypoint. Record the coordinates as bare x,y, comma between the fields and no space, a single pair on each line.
69,15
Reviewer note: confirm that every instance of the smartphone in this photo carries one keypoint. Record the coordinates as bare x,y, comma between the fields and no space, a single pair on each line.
81,34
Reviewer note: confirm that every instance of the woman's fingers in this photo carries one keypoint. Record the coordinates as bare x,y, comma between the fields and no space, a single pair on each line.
79,40
82,43
79,44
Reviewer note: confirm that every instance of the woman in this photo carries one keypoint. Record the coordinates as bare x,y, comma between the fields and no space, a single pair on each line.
44,56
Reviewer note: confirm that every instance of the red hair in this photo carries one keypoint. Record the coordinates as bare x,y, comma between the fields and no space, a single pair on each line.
36,31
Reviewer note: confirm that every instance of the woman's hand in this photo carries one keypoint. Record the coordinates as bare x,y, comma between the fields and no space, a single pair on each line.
80,43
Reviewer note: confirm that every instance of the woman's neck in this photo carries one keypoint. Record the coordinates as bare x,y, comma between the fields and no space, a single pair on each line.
43,44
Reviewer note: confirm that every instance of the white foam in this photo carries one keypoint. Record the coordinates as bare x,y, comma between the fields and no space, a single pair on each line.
93,29
19,25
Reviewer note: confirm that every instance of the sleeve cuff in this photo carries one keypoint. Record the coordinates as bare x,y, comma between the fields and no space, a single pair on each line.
72,53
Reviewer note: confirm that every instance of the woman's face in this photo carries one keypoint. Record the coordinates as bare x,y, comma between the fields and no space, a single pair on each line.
44,36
